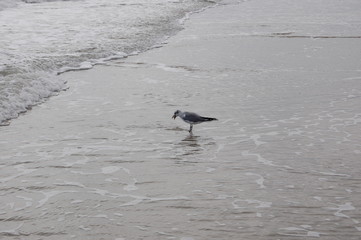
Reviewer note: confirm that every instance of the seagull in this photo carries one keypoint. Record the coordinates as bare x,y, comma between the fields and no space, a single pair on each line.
191,118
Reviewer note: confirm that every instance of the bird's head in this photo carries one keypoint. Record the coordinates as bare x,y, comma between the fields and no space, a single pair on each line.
176,114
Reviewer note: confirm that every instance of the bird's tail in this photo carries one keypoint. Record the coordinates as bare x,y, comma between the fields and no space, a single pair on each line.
208,119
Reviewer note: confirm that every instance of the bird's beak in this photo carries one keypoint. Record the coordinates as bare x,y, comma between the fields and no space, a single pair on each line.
174,116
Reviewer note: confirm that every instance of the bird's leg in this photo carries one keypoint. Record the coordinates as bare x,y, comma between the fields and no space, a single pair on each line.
191,128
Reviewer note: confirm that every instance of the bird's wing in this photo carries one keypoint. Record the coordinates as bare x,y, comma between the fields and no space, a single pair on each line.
192,117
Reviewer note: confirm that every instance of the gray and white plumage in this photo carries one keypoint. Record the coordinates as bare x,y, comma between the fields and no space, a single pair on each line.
191,118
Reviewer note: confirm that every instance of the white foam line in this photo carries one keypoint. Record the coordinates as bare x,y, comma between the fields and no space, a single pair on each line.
333,174
73,184
298,232
110,169
261,204
13,232
227,121
49,195
344,207
255,138
168,199
259,158
131,186
259,181
19,168
137,199
28,203
82,227
132,203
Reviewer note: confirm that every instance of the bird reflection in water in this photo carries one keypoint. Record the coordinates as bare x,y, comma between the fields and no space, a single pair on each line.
191,146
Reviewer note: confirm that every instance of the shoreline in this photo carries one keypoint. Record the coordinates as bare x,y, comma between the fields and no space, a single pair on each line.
104,159
90,63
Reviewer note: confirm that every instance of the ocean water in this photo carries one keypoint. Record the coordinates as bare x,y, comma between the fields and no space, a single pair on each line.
105,161
42,38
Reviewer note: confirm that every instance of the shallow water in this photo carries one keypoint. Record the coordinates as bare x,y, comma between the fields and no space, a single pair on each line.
106,161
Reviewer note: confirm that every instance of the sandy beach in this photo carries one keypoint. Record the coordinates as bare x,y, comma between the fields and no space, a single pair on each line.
104,159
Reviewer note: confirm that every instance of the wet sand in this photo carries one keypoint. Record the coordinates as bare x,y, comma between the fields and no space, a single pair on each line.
104,159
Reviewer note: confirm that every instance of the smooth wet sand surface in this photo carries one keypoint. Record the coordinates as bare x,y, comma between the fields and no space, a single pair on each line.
104,159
